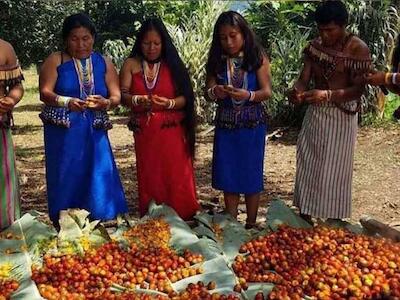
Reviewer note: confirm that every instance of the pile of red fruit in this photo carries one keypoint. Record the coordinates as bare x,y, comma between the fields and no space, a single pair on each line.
323,263
201,291
7,287
91,276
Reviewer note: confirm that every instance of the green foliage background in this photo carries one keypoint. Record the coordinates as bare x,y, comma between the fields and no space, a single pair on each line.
283,28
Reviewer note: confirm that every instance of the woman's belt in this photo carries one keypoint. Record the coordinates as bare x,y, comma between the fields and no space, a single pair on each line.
245,117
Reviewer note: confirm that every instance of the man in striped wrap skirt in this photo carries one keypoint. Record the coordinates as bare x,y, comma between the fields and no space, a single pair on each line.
11,92
334,64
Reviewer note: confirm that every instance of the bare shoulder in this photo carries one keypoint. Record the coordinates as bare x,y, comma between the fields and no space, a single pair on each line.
7,53
132,64
108,61
51,62
265,60
54,58
358,48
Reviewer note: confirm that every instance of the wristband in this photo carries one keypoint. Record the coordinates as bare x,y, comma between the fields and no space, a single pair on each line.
394,77
171,104
63,101
211,94
135,100
328,95
252,96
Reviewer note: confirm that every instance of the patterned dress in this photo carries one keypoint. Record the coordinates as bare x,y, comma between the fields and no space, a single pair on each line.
239,143
9,193
80,166
164,166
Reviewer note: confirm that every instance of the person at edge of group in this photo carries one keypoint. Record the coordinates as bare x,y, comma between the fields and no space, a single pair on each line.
156,87
238,80
78,86
391,80
11,92
335,62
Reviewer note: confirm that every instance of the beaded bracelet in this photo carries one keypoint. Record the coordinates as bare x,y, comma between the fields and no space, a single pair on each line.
135,100
171,104
394,77
252,96
211,94
63,101
328,95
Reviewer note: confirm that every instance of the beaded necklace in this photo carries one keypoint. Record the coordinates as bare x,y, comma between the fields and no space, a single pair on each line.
84,70
150,75
236,76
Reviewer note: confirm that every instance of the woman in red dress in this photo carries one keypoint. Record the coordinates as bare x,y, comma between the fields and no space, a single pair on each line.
156,86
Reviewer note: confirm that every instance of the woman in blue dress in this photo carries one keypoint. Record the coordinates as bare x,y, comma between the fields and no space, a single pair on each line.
78,86
238,79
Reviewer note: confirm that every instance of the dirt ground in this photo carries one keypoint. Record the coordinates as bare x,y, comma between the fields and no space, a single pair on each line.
376,182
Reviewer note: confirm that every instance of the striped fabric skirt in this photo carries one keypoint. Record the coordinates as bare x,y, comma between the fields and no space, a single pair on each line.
9,196
325,152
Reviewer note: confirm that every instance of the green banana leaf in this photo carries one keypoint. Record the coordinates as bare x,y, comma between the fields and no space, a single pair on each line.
204,218
278,213
206,247
355,228
203,230
11,246
30,230
181,234
233,233
21,271
233,236
74,225
27,290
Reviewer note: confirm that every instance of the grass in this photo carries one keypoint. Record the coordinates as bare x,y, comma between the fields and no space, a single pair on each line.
31,86
392,102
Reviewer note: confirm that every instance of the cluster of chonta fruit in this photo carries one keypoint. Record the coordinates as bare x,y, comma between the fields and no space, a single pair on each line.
7,287
198,291
153,233
323,263
201,291
93,274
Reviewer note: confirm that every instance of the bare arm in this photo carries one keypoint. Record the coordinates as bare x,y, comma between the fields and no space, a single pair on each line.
48,78
112,82
125,81
16,92
302,83
295,94
264,81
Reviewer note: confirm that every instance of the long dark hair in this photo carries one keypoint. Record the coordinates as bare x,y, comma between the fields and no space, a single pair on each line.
253,52
179,73
396,56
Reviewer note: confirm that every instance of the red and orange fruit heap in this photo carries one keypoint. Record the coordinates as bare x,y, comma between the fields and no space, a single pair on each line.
91,276
201,291
7,287
323,263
